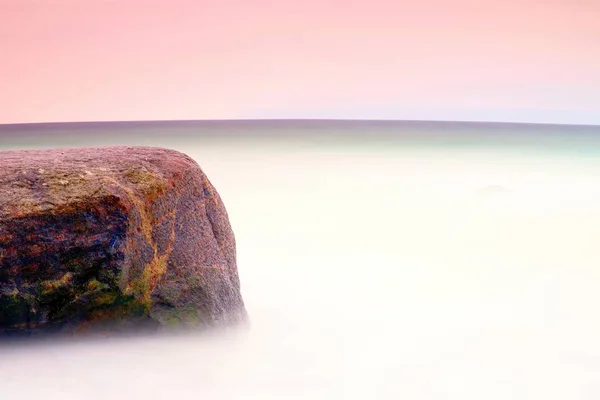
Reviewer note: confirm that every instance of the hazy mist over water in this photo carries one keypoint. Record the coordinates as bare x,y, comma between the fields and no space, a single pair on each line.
457,262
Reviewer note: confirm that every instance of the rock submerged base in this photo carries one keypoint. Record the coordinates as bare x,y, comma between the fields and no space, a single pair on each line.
113,240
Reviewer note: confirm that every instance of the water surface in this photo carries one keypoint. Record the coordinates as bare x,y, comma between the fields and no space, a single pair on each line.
454,266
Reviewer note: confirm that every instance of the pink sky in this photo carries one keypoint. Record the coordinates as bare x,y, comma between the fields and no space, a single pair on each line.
97,60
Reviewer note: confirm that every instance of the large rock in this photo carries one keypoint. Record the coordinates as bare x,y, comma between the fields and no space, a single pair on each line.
108,239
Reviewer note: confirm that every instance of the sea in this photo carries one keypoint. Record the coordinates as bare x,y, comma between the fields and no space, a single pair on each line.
378,260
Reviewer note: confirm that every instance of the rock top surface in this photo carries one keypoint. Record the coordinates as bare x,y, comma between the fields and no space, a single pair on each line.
107,239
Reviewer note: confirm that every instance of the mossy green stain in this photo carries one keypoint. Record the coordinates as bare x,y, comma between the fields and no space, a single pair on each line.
172,318
17,310
151,184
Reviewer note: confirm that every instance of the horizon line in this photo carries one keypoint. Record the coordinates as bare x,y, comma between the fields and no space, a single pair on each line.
339,120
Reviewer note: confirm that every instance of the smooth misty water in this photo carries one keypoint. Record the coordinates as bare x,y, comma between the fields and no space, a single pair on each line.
381,272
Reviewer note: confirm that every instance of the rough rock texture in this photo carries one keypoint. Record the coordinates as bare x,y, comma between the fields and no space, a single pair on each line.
107,239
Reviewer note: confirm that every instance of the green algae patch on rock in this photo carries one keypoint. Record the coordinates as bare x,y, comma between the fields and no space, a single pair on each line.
110,239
